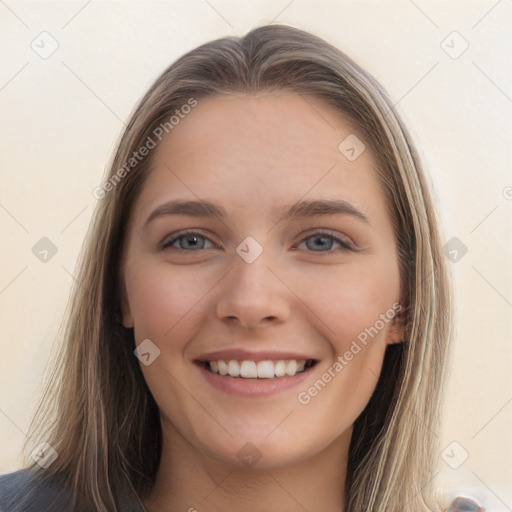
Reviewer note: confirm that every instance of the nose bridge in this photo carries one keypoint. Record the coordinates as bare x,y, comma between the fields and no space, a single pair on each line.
251,292
253,276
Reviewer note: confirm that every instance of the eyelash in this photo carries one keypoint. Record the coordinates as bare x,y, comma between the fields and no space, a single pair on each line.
345,246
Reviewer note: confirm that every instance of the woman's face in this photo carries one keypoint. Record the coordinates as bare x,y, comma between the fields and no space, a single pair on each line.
257,269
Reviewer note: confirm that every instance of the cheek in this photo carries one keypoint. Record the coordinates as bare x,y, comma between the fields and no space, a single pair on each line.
160,300
350,300
353,309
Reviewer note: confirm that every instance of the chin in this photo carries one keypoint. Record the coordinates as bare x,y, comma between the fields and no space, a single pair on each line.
256,451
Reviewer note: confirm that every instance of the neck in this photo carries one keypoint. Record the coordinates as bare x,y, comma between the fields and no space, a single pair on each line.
188,480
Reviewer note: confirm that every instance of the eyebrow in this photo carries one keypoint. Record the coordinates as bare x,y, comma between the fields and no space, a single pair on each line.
299,210
190,208
304,209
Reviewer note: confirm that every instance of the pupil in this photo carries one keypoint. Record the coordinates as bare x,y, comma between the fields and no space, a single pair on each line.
321,245
192,240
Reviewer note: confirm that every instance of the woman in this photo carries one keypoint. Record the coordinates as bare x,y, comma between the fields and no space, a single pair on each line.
216,355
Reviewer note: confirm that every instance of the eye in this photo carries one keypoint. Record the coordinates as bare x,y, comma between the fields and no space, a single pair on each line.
188,241
323,241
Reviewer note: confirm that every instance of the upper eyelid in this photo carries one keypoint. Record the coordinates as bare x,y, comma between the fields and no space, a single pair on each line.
328,232
345,242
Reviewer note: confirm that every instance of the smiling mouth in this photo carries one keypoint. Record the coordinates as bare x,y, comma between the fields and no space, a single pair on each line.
268,369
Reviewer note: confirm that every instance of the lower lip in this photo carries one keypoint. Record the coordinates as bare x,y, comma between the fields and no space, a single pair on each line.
253,387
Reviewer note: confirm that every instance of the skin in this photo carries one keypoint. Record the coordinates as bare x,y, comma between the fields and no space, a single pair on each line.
251,154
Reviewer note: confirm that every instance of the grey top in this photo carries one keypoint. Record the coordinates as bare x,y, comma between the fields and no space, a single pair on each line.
20,492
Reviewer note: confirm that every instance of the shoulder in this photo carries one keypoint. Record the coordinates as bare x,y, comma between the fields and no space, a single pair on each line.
26,491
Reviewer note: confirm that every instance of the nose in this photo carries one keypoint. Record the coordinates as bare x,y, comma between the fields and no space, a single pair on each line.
253,294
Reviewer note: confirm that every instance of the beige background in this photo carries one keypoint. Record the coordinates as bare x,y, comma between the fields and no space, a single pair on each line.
61,115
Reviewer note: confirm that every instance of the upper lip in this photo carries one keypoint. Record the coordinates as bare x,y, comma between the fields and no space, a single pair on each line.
247,355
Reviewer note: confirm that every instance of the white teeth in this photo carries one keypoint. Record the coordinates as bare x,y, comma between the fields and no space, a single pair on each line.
280,368
223,367
291,368
262,369
265,370
234,368
248,370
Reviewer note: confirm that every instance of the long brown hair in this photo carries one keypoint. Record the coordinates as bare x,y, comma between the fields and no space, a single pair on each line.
97,411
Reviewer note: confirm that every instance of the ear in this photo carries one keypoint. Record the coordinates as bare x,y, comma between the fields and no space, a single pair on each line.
397,330
126,314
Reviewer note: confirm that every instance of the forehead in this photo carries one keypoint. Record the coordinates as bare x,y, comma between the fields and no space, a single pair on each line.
283,124
256,152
